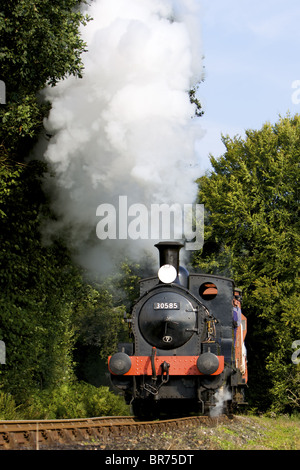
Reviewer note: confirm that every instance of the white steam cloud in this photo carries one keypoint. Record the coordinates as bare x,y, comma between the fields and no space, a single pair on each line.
221,397
126,127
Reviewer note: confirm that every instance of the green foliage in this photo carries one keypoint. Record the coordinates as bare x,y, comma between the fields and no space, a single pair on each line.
37,287
78,400
39,44
98,322
8,408
252,234
101,308
194,100
73,400
22,121
124,284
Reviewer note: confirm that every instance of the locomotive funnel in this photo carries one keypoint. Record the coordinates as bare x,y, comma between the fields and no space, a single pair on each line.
169,253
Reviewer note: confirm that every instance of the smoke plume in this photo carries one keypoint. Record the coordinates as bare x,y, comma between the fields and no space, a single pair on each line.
126,127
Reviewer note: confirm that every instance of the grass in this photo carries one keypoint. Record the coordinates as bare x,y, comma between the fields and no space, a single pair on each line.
282,433
259,433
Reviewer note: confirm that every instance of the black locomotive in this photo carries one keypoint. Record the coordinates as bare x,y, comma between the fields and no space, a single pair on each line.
188,351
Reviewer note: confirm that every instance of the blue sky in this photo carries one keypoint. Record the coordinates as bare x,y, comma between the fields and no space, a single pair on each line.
252,59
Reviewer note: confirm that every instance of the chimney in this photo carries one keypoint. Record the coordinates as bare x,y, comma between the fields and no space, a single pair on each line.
169,253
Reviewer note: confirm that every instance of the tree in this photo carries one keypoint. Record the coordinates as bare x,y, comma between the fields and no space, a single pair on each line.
98,321
251,199
38,285
39,44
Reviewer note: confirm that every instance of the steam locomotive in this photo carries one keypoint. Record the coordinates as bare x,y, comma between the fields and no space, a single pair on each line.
188,348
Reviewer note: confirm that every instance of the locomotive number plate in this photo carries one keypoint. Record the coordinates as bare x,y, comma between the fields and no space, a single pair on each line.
166,306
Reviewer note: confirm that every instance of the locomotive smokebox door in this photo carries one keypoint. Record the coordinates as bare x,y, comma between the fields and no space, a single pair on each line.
167,320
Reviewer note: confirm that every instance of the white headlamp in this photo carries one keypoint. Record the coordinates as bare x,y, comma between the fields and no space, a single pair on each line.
167,273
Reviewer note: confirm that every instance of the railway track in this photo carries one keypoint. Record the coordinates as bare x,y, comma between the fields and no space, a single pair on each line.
33,433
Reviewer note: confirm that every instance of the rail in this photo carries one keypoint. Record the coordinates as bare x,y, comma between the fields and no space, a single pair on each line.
31,434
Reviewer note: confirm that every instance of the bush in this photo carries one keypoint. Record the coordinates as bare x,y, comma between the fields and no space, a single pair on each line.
79,400
8,407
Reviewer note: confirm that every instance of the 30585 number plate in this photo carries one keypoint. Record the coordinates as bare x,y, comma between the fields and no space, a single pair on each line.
166,306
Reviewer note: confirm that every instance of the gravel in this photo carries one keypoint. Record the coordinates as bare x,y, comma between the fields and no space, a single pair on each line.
239,432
